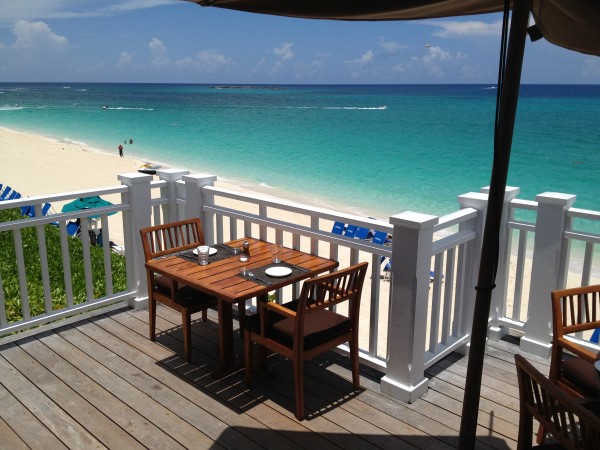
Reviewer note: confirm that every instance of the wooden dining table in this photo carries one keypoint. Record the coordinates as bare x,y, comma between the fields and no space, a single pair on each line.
223,278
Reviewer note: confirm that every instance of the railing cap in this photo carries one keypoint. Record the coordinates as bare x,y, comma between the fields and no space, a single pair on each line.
134,178
556,198
414,220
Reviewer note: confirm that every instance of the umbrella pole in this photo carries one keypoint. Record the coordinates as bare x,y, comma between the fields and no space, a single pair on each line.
491,234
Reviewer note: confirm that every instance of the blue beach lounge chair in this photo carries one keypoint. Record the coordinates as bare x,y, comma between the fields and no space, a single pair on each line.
380,237
338,228
45,209
362,233
351,230
73,229
5,193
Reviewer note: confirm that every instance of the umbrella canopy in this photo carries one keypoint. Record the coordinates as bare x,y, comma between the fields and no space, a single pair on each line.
87,203
572,24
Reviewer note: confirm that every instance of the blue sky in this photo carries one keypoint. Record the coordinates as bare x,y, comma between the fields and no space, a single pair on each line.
179,42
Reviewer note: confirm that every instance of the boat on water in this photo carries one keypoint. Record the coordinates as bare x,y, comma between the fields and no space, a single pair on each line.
149,168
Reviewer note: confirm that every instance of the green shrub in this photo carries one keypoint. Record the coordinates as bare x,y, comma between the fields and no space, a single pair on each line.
33,269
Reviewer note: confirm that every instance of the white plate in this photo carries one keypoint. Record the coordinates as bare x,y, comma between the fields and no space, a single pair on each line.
278,271
211,251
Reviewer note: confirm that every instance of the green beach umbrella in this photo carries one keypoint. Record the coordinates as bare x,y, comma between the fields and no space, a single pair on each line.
572,24
83,203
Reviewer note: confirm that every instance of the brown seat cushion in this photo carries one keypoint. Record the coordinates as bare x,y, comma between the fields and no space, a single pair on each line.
582,374
319,326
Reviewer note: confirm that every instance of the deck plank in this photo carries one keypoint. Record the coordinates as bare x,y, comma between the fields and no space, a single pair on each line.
114,388
58,421
115,404
20,421
68,399
196,399
10,439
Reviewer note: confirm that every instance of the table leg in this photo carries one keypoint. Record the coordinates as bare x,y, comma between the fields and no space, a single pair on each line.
229,362
225,314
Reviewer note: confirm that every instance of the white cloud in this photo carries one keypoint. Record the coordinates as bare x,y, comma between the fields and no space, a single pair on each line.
261,62
32,36
436,54
285,51
470,72
362,60
591,67
448,29
435,60
125,59
390,47
159,52
207,61
11,10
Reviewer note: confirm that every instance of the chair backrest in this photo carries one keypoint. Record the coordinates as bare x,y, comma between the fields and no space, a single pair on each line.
574,426
329,290
173,237
575,309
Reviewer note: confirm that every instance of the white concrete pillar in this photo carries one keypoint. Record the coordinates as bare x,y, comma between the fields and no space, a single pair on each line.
171,176
411,262
195,199
545,270
138,217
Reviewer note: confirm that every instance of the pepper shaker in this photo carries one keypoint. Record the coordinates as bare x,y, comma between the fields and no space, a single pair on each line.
246,248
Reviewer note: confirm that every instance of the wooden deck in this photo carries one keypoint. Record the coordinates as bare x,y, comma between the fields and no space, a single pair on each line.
101,383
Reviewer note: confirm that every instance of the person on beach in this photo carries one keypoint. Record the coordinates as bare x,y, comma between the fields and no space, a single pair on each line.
120,150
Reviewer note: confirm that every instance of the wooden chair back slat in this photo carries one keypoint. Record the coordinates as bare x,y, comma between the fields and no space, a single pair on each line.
574,426
161,240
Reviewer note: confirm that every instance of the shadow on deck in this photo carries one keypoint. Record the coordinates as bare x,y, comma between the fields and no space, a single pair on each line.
101,382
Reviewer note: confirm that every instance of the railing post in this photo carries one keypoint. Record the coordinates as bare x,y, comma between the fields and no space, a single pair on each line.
499,294
545,270
195,199
469,260
171,176
137,217
411,262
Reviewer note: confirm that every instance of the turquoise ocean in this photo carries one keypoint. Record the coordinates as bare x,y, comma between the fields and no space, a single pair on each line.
368,149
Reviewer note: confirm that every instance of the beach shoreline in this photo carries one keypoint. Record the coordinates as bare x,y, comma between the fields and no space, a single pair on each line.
30,162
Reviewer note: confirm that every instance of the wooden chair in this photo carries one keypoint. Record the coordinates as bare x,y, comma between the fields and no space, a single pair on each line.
572,424
162,240
574,310
306,327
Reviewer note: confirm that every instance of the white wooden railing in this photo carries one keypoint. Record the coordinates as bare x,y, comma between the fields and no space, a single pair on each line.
409,321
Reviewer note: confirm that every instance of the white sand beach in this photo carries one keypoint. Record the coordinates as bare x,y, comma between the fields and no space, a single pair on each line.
35,165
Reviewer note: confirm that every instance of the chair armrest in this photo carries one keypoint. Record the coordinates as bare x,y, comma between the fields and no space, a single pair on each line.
279,309
577,349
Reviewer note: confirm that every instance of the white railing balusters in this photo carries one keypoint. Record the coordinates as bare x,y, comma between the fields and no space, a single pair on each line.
3,320
108,273
18,240
43,252
66,263
416,325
